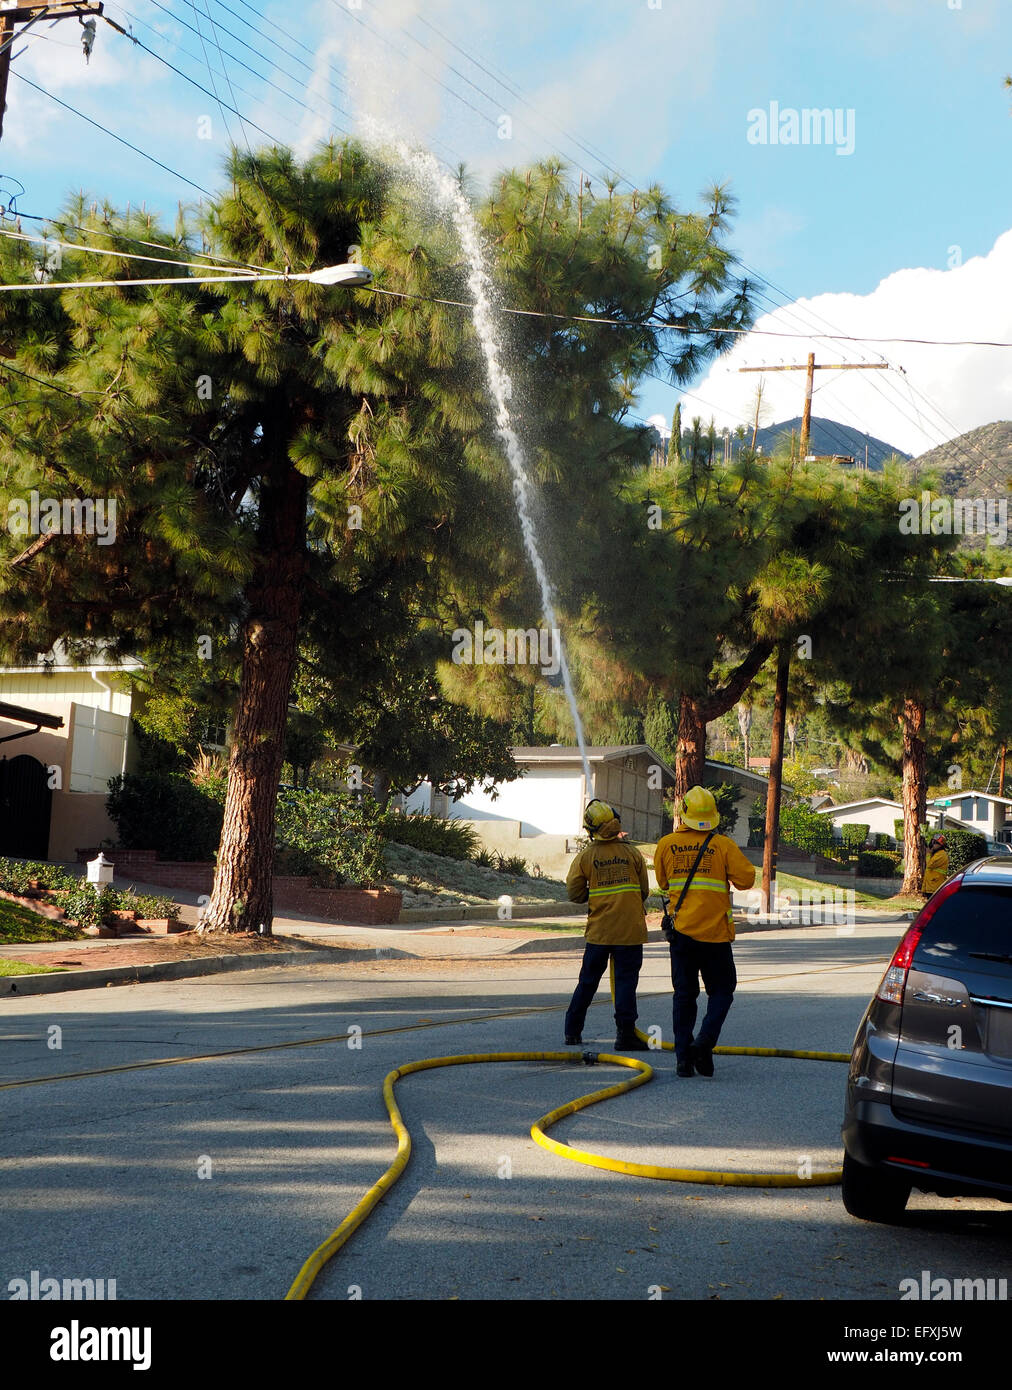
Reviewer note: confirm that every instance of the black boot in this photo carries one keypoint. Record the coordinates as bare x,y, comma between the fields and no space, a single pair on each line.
627,1041
702,1059
684,1067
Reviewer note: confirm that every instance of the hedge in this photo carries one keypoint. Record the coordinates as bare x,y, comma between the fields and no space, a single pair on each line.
166,812
855,836
805,829
963,846
876,864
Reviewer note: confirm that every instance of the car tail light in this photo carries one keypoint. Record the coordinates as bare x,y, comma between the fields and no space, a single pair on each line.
890,991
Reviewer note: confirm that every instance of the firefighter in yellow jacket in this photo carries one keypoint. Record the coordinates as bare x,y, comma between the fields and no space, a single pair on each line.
936,870
699,930
611,876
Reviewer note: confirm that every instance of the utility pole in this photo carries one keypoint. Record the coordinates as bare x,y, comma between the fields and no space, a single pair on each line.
1001,772
23,16
811,368
771,843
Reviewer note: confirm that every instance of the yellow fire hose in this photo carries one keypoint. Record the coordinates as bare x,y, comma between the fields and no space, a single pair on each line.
644,1073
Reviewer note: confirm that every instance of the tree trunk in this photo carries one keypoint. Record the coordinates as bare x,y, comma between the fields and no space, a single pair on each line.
915,794
690,755
696,711
381,789
772,841
243,899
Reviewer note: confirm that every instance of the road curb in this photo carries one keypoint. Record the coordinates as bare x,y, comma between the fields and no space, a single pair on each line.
482,912
19,986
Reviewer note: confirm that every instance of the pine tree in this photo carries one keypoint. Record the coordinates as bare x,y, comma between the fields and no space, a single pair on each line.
675,442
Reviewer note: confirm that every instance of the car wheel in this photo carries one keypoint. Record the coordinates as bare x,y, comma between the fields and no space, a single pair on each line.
871,1194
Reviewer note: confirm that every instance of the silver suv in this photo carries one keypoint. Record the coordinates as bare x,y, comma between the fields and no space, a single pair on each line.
929,1093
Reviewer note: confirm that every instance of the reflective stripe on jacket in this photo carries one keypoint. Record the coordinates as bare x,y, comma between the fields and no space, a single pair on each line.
611,876
706,912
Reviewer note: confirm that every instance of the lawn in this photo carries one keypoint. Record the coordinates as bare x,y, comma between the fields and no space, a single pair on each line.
896,903
22,967
19,924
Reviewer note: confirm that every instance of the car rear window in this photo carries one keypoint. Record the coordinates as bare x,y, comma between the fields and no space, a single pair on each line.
970,926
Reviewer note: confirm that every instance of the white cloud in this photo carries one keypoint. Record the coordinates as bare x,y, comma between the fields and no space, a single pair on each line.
964,386
661,425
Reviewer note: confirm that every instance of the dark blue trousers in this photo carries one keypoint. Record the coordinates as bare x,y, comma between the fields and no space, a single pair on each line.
713,960
628,960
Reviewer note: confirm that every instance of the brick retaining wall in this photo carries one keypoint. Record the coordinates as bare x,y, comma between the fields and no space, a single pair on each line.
369,906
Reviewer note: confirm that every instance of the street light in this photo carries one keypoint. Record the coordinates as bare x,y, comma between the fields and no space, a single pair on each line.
347,274
1005,579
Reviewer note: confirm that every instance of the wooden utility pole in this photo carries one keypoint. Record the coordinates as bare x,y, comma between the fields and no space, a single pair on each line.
1001,772
25,15
811,368
772,841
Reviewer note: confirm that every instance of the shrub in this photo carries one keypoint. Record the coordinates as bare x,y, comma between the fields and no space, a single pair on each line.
963,846
453,838
877,864
148,905
854,836
332,836
17,875
726,797
88,908
166,812
898,830
805,829
485,859
514,864
882,840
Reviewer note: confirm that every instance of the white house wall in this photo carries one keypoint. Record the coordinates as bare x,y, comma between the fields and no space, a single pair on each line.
880,819
552,796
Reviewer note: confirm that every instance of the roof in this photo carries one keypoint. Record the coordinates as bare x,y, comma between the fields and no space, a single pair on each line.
560,754
959,796
758,779
866,801
57,659
18,714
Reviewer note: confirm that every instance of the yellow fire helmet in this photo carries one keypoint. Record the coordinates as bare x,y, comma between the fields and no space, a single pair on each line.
698,810
598,813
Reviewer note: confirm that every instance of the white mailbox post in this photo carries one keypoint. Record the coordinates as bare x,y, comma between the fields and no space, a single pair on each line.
100,872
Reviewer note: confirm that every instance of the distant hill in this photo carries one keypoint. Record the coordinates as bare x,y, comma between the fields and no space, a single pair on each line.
975,464
830,437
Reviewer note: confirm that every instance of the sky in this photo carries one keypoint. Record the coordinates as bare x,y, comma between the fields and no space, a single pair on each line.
887,217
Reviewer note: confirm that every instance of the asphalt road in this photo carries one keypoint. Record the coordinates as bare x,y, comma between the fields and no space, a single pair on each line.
102,1175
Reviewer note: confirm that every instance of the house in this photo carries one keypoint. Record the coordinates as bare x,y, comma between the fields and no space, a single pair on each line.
990,816
540,815
54,777
877,812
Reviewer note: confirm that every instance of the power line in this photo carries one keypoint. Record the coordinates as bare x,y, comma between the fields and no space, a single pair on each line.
263,58
194,58
106,131
235,59
93,250
876,386
281,30
135,241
